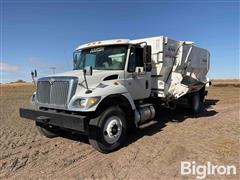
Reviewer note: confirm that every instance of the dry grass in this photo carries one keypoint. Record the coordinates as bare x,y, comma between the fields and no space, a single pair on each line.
222,83
15,84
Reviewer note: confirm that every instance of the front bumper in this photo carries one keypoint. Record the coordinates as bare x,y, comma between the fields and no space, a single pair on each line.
59,119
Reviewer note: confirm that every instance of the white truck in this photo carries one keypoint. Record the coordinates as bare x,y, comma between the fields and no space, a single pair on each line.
115,84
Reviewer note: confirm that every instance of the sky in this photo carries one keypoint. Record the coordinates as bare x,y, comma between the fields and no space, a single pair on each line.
42,34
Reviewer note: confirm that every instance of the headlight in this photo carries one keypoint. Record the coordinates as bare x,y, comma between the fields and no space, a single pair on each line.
86,103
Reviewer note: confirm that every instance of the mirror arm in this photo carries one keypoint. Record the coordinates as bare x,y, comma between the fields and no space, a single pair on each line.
85,79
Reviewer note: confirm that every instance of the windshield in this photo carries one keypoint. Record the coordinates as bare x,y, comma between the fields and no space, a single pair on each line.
101,58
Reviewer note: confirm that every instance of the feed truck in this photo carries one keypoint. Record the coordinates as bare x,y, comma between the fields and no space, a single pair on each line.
114,86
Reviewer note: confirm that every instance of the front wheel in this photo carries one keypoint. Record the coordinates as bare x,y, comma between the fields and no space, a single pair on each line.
109,131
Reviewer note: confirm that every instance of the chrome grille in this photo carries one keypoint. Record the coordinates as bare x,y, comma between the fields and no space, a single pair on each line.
56,91
59,92
43,92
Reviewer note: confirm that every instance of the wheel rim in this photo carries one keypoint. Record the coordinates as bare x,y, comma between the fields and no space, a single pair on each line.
112,129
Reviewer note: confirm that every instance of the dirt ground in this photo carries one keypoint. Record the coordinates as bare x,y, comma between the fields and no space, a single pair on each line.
153,152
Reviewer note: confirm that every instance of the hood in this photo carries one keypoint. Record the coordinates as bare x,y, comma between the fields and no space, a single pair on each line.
97,76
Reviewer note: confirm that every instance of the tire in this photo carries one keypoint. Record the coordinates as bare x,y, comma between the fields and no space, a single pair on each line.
196,104
46,131
109,131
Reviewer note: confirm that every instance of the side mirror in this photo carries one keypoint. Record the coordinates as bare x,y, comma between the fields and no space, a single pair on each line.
75,58
147,51
87,70
34,73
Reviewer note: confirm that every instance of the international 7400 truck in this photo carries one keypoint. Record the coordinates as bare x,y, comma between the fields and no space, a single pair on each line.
115,85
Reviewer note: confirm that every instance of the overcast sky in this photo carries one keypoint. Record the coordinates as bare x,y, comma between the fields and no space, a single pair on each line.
42,34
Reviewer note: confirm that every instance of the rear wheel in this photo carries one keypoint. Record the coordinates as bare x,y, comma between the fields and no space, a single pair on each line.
195,103
110,130
45,131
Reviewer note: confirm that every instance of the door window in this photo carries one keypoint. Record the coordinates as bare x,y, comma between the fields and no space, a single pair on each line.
135,58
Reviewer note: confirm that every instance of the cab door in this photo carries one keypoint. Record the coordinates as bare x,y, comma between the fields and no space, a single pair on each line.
137,79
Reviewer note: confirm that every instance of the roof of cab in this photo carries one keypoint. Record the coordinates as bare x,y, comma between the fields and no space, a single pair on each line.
103,43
